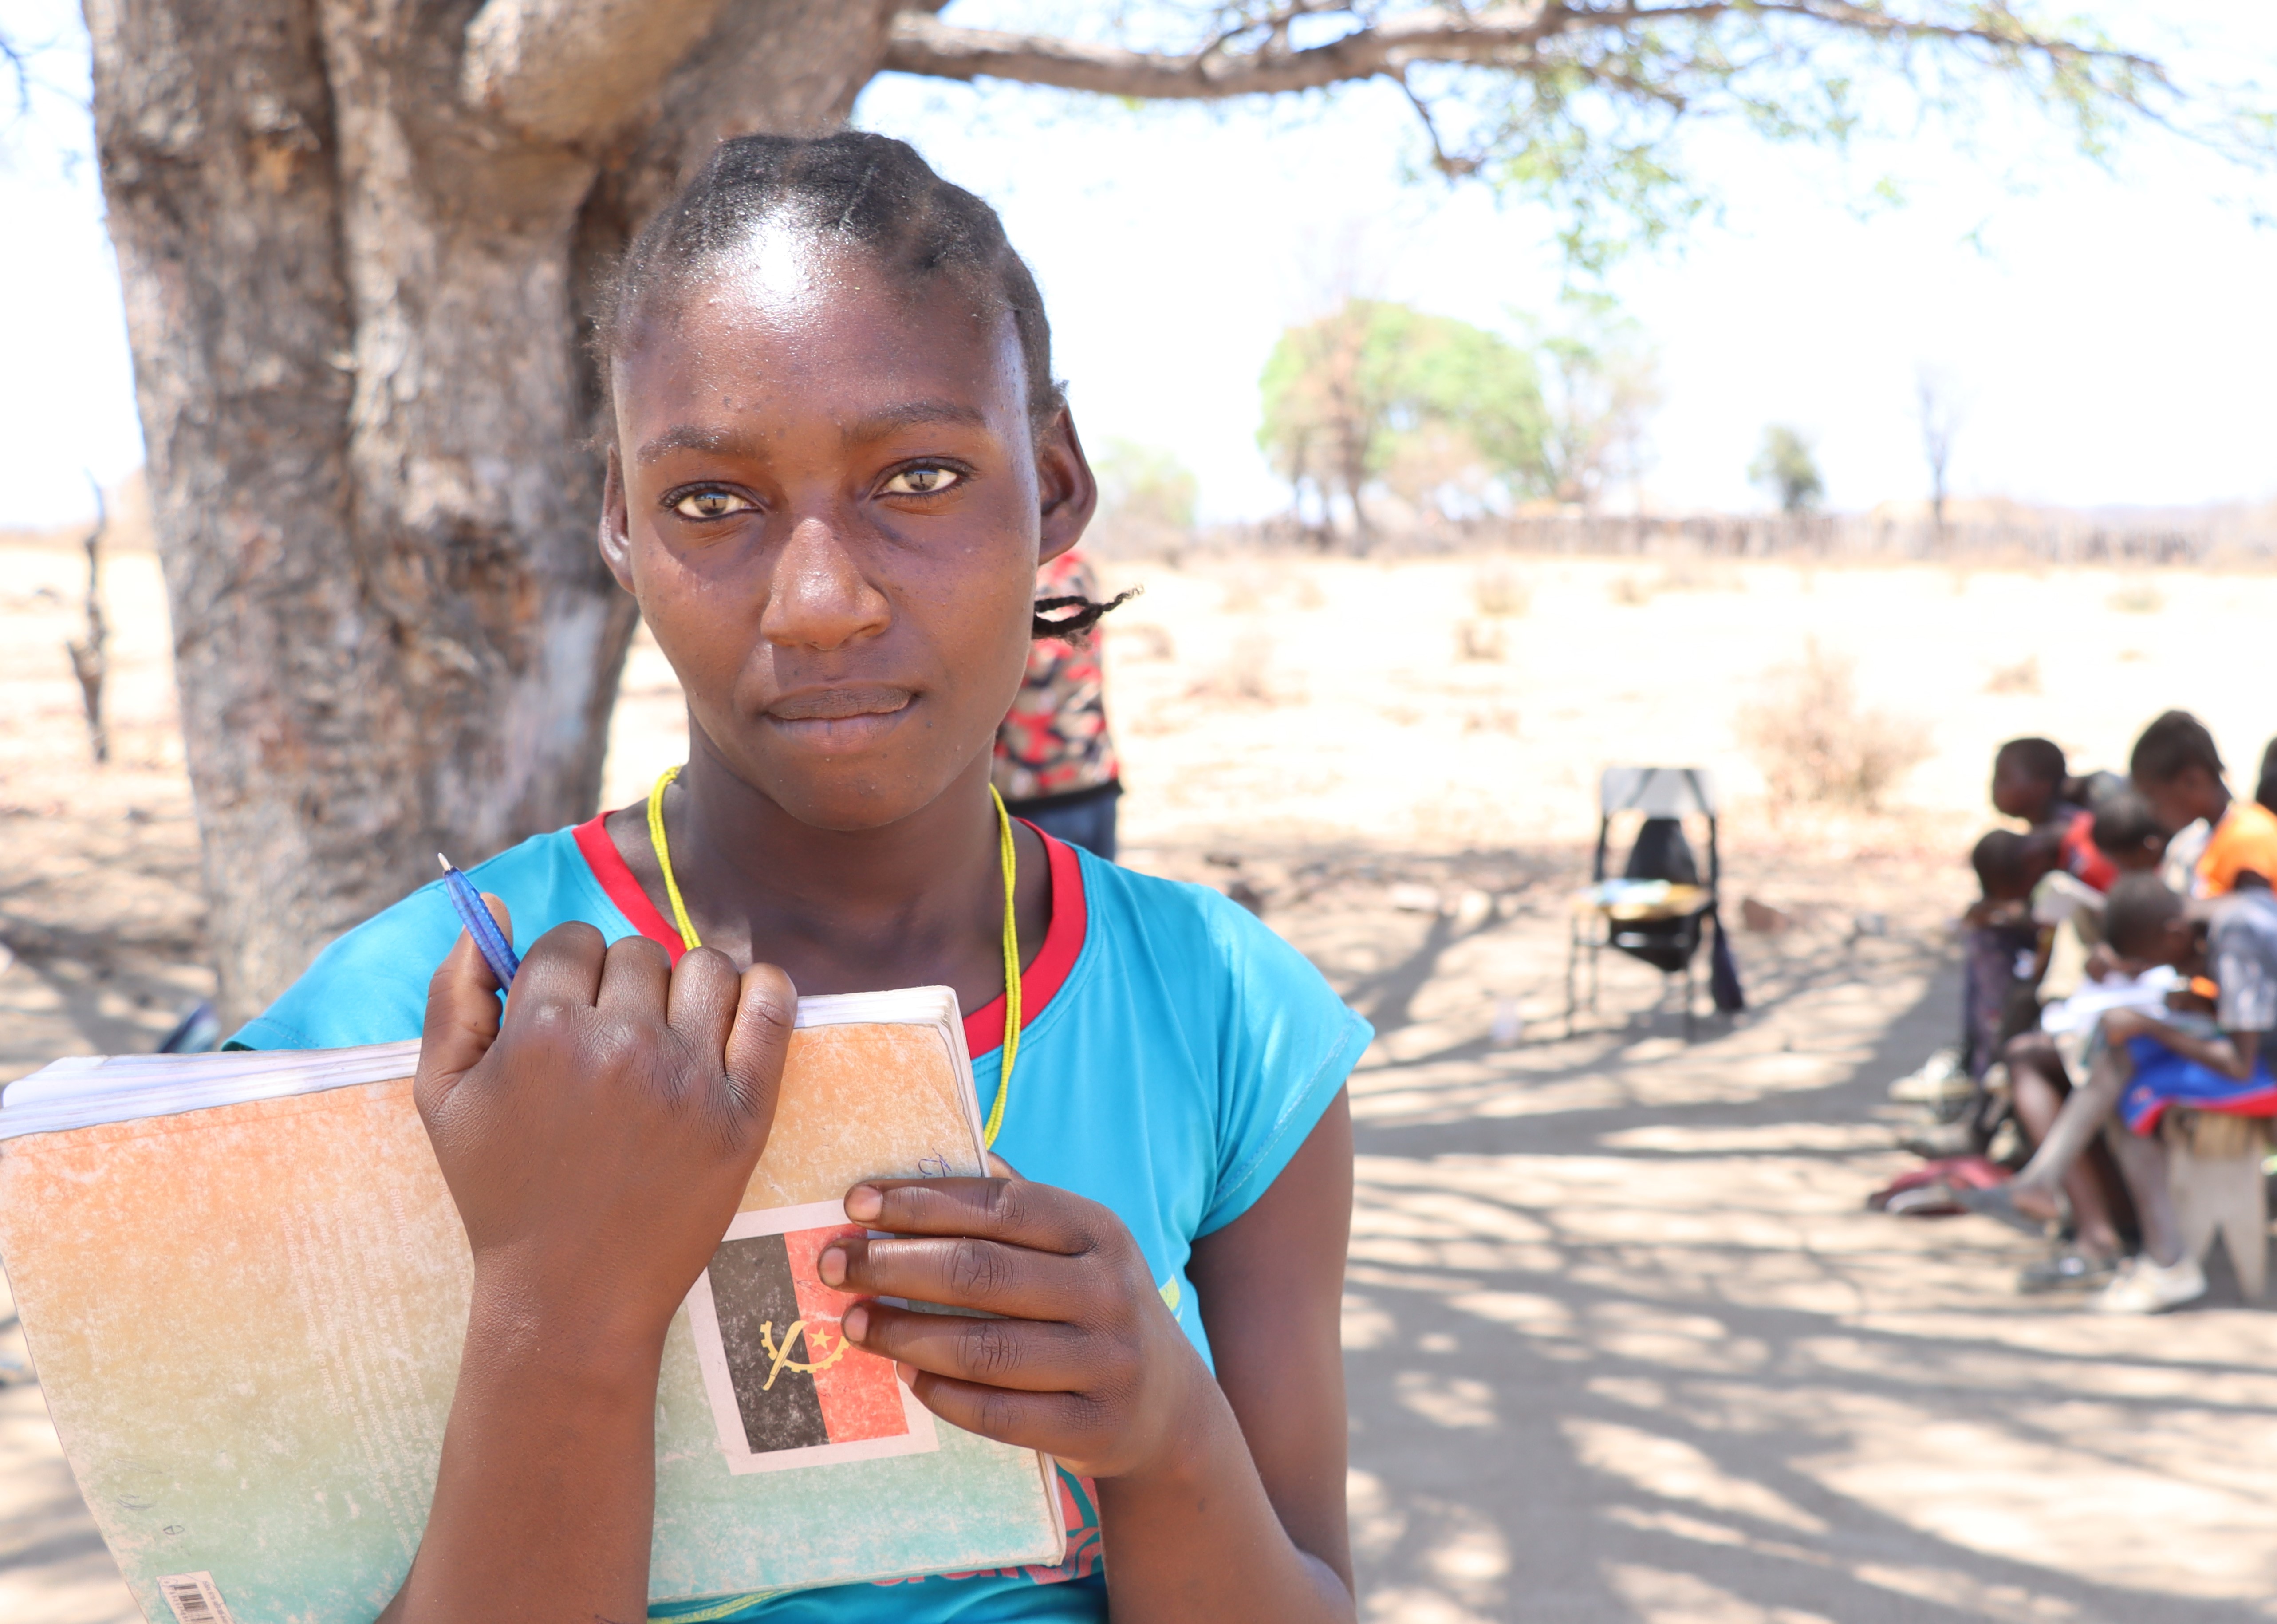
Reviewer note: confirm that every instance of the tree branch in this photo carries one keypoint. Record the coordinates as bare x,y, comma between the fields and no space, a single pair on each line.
1509,37
571,70
921,44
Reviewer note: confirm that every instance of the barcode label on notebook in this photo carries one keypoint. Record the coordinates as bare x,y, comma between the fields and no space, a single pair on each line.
195,1599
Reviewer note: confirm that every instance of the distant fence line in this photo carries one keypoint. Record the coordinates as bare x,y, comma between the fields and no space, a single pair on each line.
2042,537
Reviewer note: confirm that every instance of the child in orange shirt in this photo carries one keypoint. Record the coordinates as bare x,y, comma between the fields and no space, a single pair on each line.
2178,770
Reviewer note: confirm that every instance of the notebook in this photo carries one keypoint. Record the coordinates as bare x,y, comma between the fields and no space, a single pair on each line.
245,1287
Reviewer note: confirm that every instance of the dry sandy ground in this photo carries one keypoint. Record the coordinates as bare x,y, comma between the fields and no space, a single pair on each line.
1623,1345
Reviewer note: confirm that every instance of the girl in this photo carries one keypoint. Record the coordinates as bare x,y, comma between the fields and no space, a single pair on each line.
836,459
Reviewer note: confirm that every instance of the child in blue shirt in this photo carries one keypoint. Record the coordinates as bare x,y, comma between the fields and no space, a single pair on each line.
836,456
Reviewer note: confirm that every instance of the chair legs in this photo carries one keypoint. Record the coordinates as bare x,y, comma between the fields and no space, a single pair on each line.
1579,945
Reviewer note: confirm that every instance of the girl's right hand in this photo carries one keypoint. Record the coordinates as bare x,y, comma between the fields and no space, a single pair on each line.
597,1143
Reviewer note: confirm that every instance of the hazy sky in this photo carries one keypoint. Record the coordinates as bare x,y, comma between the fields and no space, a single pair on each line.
2112,336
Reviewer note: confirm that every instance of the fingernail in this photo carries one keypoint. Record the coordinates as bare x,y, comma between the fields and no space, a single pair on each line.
857,1323
832,1265
863,1203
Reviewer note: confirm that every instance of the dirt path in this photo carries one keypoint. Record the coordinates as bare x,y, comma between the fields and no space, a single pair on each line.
1623,1345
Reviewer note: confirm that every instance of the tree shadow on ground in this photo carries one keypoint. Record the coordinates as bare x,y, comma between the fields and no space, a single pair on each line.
1568,1403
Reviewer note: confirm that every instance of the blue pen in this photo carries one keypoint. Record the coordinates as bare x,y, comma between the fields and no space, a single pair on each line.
497,951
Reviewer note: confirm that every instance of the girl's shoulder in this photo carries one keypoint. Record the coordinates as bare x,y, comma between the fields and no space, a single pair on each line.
1212,933
1226,1046
371,985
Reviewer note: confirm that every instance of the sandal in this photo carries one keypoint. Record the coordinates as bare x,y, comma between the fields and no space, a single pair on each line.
1999,1203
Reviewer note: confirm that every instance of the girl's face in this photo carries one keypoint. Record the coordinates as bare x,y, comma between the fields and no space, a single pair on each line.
827,495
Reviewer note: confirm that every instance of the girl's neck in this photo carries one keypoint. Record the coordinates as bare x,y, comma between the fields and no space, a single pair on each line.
914,902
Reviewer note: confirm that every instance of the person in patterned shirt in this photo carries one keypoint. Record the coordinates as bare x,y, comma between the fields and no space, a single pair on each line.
1055,761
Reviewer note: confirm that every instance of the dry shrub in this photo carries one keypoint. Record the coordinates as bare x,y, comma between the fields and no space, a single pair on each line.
1245,677
1816,742
1630,591
2023,677
2137,597
1691,575
1243,596
1139,640
1479,640
1498,594
1307,594
1492,719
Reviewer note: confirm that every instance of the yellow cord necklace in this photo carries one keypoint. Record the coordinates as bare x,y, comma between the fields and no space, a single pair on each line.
1007,859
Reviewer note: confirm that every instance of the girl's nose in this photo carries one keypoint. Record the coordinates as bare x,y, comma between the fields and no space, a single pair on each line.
819,597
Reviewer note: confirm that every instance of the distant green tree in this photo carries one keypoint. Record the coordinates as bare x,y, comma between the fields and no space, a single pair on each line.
1145,493
1378,391
1786,469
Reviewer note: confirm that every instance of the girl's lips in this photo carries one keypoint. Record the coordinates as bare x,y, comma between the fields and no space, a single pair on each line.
840,719
839,703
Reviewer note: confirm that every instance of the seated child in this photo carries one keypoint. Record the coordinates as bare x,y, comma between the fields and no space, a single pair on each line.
2003,942
2031,782
2127,831
2178,770
2130,841
2150,1062
835,455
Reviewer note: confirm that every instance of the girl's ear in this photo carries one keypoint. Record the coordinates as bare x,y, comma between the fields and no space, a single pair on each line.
1066,489
616,531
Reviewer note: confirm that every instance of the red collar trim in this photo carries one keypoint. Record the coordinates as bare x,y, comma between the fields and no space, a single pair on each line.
617,882
984,1027
1047,972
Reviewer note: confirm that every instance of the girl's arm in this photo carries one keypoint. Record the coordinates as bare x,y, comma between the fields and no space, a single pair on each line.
597,1147
1220,1499
1271,1288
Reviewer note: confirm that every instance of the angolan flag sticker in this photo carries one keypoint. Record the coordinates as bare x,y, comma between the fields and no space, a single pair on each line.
787,1389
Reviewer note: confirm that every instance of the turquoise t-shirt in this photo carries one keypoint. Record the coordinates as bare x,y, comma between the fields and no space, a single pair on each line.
1174,1054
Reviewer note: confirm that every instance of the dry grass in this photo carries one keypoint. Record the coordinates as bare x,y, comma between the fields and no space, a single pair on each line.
2137,597
1680,574
1498,594
1144,640
1692,575
1816,742
2023,677
1243,595
1243,677
1481,640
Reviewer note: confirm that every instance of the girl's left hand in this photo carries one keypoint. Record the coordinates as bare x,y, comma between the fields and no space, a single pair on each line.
1085,1362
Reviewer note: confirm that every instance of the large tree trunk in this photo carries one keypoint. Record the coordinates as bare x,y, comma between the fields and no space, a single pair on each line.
357,237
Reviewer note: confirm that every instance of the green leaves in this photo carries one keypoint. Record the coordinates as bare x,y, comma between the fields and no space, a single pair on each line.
1429,405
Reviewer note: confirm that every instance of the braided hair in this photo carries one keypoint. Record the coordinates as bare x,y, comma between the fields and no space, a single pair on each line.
853,190
1073,618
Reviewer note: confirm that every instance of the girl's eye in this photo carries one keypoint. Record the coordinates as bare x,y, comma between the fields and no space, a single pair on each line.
926,481
711,504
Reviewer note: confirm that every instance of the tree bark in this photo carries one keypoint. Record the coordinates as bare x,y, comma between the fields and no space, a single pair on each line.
357,263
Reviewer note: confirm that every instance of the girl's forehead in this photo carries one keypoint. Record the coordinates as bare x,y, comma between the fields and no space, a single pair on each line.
789,316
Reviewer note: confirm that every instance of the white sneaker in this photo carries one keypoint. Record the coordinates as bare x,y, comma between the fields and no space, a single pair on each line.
1939,1081
2145,1287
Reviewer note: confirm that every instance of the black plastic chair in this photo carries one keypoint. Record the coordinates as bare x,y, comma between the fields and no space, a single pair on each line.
1662,925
